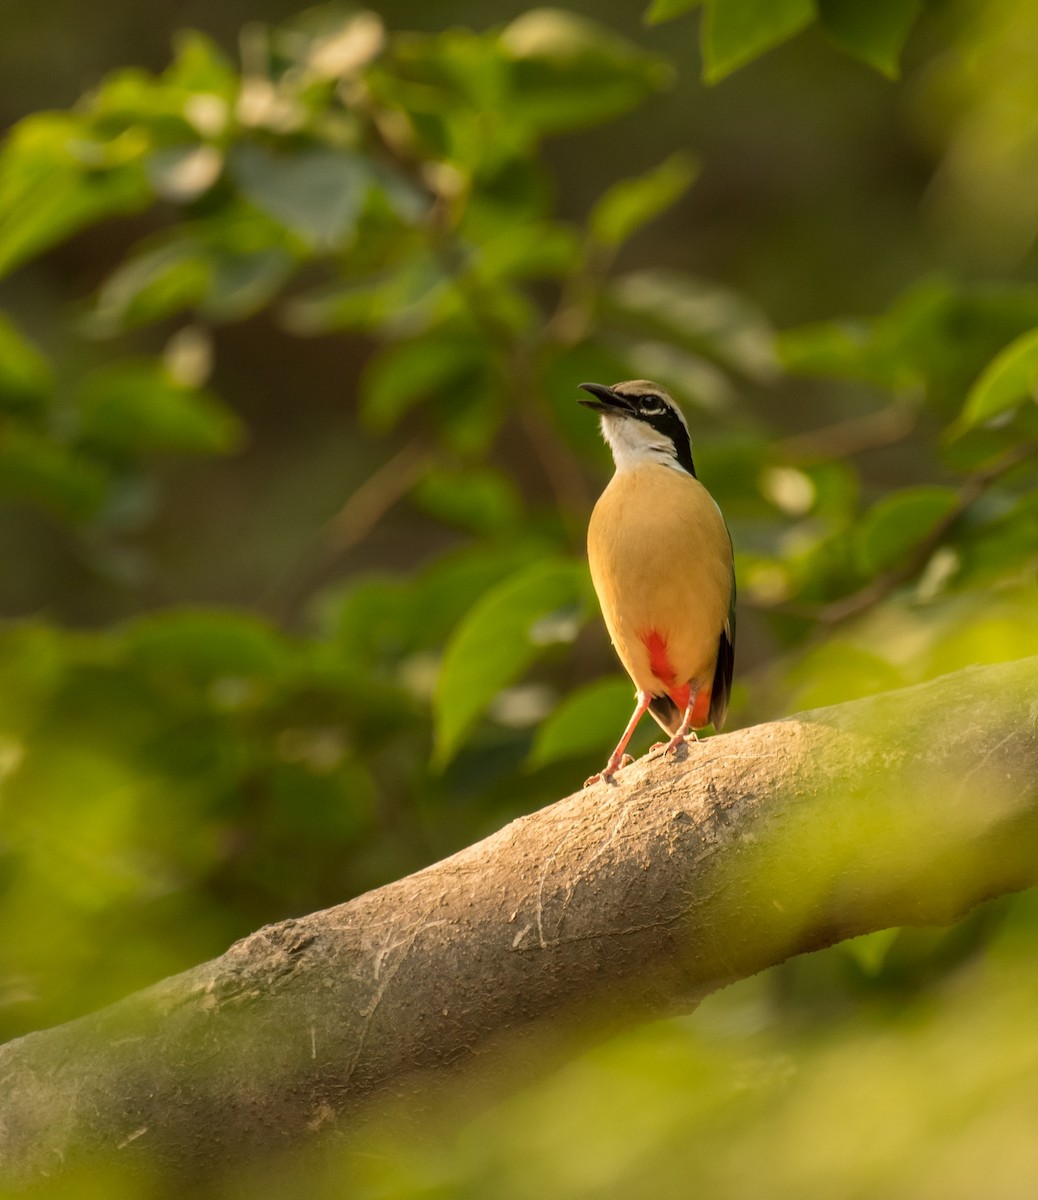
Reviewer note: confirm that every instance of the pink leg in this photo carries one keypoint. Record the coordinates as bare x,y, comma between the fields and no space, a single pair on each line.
616,759
685,731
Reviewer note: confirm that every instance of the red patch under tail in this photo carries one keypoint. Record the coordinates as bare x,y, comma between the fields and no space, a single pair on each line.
661,666
701,709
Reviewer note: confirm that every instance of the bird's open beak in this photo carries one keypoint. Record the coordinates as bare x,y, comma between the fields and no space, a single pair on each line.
606,400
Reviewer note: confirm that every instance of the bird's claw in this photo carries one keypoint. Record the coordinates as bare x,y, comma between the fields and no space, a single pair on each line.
675,743
608,771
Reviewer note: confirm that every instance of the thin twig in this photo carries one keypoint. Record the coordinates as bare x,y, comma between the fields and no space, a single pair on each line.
361,512
845,438
878,589
365,507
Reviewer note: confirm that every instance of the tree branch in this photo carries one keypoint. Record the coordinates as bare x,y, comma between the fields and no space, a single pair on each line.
638,899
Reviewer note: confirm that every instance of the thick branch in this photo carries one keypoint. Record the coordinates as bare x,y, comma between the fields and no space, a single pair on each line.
638,898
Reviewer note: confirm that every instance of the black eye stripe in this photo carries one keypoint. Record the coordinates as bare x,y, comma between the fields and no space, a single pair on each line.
649,403
667,422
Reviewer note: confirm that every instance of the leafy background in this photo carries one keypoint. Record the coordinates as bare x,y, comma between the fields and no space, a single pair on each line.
293,487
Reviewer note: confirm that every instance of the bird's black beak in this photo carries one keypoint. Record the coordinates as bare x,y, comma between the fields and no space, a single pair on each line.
606,400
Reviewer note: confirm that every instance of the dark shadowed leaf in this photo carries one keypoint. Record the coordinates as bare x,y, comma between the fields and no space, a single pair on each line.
39,469
736,31
894,525
317,193
872,30
134,406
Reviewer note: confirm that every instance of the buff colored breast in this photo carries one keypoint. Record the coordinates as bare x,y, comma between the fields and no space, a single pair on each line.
661,563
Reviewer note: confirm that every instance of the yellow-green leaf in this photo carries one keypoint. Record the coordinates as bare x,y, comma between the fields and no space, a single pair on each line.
497,640
1009,380
631,203
665,10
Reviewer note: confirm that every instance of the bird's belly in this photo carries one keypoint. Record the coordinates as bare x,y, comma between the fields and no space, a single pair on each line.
664,636
660,561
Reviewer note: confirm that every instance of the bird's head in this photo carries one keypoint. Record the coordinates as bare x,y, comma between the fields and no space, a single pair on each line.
641,424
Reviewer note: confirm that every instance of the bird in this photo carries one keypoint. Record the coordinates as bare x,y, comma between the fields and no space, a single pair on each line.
663,567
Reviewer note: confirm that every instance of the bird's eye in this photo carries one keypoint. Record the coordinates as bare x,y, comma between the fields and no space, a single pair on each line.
652,403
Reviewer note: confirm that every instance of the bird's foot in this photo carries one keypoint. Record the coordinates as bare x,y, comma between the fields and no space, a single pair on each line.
609,770
677,741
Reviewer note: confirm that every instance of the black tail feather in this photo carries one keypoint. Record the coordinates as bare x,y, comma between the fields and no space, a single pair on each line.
666,712
722,688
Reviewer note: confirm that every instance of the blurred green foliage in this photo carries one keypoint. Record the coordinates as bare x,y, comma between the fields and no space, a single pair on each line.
173,775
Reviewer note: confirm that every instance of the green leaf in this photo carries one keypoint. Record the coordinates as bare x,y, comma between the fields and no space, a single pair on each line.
380,619
496,642
698,315
25,375
194,95
205,645
872,30
150,285
539,250
241,284
688,377
200,66
838,349
569,72
895,524
736,31
1005,383
589,719
402,301
482,500
933,341
666,10
318,193
631,203
56,178
36,468
405,373
33,660
135,406
226,267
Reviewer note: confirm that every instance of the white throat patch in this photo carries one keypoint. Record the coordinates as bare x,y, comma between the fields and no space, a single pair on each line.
634,444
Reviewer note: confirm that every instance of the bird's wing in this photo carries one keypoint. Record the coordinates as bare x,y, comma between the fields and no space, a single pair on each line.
722,688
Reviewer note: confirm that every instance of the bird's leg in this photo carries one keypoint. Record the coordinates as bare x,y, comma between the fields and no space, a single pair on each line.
685,731
616,759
